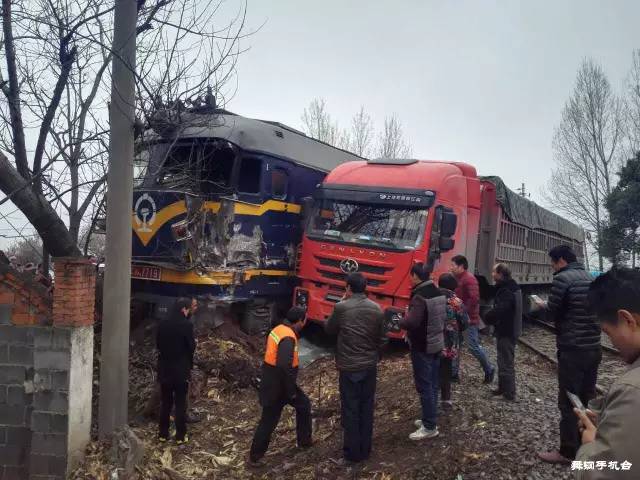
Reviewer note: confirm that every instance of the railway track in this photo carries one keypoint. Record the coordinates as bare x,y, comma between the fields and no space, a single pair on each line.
606,345
537,336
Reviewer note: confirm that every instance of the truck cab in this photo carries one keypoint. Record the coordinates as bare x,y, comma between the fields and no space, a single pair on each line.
380,217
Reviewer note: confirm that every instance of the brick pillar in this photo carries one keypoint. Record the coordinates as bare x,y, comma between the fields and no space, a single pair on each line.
74,293
46,370
73,317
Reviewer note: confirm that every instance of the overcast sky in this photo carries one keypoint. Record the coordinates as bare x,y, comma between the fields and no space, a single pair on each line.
475,81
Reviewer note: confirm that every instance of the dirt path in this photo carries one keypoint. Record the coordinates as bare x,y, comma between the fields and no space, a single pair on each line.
480,438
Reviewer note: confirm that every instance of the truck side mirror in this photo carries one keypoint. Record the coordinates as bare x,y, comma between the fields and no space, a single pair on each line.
446,243
448,224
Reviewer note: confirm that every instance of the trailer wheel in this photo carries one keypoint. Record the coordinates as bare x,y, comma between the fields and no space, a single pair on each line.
259,316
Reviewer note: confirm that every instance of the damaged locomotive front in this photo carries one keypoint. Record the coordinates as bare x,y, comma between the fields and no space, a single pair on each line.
217,214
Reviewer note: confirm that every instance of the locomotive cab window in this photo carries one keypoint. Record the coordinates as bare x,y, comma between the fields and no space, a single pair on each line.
250,175
279,184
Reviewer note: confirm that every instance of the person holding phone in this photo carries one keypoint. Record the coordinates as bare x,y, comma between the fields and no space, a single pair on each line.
578,344
610,433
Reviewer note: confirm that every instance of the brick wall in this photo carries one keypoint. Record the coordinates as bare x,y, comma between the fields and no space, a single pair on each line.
46,352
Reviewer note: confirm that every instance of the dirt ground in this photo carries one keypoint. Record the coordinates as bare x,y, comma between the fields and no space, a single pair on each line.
480,438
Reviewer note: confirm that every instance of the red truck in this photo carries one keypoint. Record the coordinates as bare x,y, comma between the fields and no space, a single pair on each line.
379,217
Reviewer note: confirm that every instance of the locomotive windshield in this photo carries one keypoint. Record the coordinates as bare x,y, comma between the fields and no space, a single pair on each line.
194,165
397,227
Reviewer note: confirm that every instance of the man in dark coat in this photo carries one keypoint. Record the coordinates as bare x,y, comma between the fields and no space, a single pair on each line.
424,323
506,316
578,342
359,324
176,346
278,386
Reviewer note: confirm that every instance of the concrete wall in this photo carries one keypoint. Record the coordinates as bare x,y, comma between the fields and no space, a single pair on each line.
46,363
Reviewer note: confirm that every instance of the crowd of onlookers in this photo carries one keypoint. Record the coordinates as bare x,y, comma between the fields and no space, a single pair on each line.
597,436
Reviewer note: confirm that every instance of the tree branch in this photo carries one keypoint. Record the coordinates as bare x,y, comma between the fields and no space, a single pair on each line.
17,126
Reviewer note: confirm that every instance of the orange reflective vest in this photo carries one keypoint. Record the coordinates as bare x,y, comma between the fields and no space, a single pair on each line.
273,340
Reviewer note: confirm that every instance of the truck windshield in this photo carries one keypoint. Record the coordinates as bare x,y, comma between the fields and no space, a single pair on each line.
397,227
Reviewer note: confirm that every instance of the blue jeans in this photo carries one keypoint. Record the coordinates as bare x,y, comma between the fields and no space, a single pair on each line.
425,374
472,336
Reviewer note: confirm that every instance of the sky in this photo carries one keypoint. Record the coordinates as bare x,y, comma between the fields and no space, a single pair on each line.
482,82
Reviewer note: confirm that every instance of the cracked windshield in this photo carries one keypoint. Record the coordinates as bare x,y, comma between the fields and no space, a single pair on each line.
381,225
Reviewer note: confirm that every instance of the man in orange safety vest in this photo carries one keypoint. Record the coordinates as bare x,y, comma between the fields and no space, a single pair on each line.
279,388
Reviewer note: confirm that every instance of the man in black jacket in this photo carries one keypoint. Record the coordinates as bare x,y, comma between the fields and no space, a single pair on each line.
578,343
176,345
278,386
359,324
424,323
506,316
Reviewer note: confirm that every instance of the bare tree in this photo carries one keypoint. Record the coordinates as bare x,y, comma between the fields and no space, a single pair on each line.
26,251
54,109
317,123
632,103
392,143
587,149
361,133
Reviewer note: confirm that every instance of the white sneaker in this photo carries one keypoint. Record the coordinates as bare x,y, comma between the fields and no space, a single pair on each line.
422,433
418,423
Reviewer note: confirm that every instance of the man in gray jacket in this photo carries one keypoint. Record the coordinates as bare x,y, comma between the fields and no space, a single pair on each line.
610,428
359,324
424,323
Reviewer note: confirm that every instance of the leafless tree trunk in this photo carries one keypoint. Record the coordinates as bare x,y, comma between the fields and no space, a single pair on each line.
392,143
361,133
55,92
587,148
632,103
318,124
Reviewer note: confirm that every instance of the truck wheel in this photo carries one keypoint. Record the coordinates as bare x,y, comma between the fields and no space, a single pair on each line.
259,317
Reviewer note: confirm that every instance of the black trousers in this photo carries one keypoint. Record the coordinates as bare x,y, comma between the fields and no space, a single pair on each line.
170,394
506,347
446,371
357,395
577,373
270,418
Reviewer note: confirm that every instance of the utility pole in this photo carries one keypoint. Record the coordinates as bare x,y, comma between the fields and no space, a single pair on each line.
523,192
114,363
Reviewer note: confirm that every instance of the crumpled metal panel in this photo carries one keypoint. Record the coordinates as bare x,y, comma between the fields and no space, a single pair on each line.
212,241
246,251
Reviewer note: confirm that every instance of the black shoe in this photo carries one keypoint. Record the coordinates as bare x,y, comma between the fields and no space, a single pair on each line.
497,392
488,377
509,398
255,462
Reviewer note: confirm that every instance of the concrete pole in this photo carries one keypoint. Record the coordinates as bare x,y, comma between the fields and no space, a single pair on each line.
114,365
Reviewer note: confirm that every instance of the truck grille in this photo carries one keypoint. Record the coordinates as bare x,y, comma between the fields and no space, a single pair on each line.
364,268
342,277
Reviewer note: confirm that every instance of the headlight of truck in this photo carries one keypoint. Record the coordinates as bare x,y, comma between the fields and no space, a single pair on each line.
302,298
392,318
